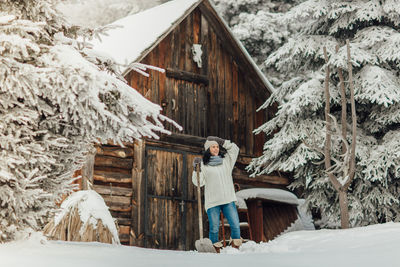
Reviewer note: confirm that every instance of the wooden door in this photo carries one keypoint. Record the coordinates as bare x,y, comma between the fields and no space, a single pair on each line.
171,220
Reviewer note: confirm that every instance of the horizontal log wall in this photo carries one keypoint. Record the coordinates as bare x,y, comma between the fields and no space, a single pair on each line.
113,181
217,99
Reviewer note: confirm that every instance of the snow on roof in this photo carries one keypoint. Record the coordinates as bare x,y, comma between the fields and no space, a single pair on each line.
269,194
136,33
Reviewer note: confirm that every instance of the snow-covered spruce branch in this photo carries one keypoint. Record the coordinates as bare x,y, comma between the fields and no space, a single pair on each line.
58,98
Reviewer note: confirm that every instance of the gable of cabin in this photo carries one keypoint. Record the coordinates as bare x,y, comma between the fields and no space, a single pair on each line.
218,98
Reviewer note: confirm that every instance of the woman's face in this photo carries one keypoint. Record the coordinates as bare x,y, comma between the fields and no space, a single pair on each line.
214,150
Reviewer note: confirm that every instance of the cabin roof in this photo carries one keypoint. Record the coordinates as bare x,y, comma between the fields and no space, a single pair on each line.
133,37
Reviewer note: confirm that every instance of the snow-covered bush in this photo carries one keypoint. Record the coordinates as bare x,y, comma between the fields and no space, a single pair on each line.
83,216
373,30
57,98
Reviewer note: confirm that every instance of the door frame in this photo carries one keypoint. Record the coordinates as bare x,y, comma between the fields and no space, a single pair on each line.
183,198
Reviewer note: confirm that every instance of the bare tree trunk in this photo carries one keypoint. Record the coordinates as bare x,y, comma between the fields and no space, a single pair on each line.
344,105
347,170
353,119
344,209
327,147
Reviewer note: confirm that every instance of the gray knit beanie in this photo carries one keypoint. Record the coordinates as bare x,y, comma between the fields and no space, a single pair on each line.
208,143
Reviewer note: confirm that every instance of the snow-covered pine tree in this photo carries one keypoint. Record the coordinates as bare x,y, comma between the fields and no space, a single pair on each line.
373,30
256,24
57,98
95,13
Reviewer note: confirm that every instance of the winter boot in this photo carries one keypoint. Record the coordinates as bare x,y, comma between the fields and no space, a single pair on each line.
217,246
236,243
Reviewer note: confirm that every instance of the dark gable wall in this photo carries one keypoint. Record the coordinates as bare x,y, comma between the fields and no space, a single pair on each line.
226,107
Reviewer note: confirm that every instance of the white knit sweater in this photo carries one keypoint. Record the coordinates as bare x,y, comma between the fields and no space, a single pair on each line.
218,180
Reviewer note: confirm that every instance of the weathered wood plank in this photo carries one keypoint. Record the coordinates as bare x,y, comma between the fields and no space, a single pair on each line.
190,108
242,112
116,203
189,63
107,161
260,120
196,25
213,94
138,187
243,176
123,201
175,104
113,190
119,152
220,107
87,171
182,44
205,40
124,234
228,97
196,30
163,63
111,176
175,42
187,76
180,107
119,214
235,100
250,116
153,79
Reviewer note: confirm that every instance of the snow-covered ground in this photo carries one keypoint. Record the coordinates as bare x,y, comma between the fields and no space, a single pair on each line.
376,245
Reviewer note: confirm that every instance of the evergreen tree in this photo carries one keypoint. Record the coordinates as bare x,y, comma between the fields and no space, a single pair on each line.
256,24
57,98
95,13
373,30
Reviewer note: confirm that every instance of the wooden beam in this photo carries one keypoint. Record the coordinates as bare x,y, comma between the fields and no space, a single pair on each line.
113,190
87,171
240,175
112,177
138,186
107,161
187,76
119,152
187,142
184,139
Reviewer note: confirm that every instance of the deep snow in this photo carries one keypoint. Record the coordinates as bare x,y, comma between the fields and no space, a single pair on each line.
376,245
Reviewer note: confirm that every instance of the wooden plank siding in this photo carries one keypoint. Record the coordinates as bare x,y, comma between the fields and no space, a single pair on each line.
217,109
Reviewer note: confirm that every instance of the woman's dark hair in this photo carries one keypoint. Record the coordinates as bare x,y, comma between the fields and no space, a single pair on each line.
207,155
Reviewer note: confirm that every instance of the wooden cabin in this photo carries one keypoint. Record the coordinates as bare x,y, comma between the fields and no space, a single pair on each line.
147,185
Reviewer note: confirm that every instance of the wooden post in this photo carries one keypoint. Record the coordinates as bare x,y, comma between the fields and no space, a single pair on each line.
255,209
88,169
138,195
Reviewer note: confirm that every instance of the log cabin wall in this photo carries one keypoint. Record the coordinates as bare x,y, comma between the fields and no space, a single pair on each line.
219,99
112,179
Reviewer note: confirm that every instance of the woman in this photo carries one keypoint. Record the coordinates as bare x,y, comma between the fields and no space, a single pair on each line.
219,193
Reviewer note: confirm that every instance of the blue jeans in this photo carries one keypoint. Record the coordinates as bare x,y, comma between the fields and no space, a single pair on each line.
230,212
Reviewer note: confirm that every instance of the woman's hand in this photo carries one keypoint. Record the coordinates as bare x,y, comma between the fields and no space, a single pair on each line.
196,161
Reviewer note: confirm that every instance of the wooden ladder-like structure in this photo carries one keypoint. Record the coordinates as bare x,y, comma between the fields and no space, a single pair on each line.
244,221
